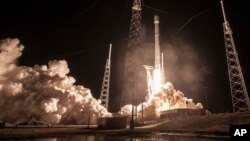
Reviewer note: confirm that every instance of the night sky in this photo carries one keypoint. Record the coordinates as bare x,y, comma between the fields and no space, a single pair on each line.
80,32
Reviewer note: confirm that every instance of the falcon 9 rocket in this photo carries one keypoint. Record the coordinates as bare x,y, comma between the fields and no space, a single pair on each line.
157,73
157,43
154,85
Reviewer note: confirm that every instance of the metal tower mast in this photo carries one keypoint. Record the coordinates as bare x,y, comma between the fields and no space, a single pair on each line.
104,96
131,62
149,79
240,99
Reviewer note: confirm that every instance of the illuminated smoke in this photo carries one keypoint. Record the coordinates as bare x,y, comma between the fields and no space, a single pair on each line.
43,92
167,98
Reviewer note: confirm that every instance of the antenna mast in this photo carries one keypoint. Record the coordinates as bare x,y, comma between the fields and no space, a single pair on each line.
240,99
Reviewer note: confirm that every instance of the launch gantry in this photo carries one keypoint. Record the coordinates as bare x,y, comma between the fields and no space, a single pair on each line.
149,79
240,99
104,96
131,63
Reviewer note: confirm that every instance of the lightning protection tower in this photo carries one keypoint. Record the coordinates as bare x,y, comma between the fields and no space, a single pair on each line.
240,99
104,96
131,63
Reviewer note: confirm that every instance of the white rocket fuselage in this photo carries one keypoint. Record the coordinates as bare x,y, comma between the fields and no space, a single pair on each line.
157,43
157,80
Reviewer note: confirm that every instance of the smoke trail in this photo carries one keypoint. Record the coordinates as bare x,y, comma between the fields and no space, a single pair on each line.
43,92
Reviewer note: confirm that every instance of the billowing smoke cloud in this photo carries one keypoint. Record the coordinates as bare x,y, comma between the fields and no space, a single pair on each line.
168,98
43,92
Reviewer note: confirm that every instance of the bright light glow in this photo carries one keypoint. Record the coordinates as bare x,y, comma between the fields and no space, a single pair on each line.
157,81
163,105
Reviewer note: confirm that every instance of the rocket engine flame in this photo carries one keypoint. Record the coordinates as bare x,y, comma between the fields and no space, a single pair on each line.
157,81
43,92
166,99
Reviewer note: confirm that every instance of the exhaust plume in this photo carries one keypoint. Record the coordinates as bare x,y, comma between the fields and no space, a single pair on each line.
167,98
43,92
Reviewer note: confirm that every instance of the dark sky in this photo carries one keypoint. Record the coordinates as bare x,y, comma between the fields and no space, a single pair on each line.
80,31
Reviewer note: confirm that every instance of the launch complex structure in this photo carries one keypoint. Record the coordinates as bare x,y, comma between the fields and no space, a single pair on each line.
155,75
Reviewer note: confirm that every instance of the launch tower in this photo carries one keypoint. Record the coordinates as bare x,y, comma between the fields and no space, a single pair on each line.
131,63
104,96
240,99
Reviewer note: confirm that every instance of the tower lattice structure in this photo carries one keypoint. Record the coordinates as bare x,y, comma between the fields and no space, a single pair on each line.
240,99
104,96
131,62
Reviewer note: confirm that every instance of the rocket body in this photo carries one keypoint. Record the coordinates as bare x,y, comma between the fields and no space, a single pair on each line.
155,82
157,69
157,43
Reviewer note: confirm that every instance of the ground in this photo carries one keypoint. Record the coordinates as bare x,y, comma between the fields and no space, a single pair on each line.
217,124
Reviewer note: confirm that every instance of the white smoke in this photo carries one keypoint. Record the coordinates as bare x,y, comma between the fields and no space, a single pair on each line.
43,92
168,98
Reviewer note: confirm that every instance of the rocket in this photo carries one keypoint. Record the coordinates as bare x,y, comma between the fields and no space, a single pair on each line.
157,43
154,83
158,58
157,73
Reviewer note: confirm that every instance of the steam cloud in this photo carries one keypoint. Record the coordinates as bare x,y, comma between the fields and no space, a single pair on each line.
48,94
43,92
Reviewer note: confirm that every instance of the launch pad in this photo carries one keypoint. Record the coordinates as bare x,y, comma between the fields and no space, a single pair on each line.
182,112
115,122
216,124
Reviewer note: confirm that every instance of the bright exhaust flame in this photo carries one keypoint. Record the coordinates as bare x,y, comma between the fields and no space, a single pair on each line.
43,92
157,81
166,99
